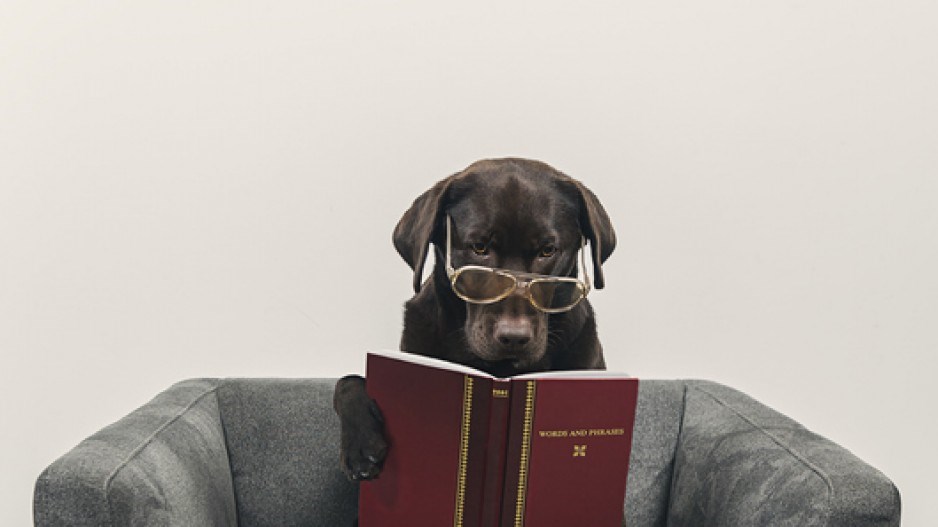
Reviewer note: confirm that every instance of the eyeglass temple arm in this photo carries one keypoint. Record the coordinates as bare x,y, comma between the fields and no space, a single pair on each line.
586,276
449,264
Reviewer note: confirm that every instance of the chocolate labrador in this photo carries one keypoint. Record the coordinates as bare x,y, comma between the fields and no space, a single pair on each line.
506,295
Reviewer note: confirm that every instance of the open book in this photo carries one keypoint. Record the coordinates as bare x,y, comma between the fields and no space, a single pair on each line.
469,449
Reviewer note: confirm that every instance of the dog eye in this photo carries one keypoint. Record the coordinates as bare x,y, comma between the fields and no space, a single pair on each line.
547,251
481,249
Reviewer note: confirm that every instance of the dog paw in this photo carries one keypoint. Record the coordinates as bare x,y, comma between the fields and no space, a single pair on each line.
364,447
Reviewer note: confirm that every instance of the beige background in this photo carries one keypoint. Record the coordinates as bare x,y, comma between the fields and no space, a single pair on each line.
208,189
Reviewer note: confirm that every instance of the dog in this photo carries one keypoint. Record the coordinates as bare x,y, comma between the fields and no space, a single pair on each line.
504,296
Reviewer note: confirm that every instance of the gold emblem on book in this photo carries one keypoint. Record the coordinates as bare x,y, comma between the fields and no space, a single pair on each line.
579,450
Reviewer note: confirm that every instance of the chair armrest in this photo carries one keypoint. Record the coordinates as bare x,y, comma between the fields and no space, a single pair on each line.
163,464
739,462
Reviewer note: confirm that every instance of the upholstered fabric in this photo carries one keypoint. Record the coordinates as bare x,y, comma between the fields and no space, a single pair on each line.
264,452
164,464
654,441
739,462
283,439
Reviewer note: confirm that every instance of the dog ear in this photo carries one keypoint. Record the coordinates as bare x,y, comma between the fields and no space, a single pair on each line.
419,226
595,224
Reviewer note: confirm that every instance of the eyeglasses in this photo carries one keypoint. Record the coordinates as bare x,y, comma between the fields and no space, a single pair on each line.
487,285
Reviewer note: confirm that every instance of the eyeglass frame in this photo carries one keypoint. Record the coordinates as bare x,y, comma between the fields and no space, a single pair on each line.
519,278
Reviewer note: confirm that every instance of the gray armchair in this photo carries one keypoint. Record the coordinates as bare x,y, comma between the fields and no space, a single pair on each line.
263,452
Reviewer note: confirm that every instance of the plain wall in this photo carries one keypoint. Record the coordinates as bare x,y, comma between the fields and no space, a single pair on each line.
208,189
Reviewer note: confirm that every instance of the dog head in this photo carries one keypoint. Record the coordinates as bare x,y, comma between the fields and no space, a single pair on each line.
512,214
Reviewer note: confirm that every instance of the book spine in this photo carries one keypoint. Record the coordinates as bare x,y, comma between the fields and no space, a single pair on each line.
521,419
474,452
494,480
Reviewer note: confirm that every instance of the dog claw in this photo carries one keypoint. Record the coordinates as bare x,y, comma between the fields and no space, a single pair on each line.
366,463
365,473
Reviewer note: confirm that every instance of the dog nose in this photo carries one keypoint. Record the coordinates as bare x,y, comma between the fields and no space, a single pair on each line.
513,333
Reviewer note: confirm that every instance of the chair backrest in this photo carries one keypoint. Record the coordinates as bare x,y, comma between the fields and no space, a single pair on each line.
654,442
283,447
283,444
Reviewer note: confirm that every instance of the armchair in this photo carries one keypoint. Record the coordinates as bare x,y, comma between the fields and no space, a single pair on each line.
264,452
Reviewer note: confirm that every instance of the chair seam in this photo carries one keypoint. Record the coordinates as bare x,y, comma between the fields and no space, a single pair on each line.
677,445
145,443
224,383
791,451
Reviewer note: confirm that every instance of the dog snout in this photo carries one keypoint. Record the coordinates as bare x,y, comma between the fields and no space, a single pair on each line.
514,333
510,331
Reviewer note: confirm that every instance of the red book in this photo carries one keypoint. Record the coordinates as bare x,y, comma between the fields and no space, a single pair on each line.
471,450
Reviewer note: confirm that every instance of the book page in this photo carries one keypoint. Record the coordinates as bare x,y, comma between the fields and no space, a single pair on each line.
441,364
573,374
430,362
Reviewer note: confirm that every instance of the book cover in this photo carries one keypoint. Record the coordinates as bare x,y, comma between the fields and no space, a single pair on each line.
468,449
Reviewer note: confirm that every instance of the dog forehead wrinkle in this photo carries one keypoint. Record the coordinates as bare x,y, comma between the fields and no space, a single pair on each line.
508,199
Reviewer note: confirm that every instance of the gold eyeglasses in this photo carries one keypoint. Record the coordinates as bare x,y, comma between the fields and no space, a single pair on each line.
487,285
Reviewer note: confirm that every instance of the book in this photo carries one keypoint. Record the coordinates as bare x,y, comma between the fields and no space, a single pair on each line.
467,449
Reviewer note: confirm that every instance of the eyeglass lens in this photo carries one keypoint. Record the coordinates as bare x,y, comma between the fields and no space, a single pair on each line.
554,295
482,285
